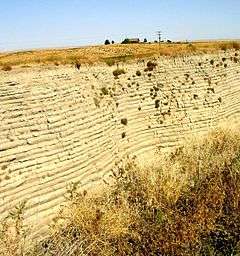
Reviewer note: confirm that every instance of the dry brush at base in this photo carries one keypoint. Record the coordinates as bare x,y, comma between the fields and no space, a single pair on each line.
188,203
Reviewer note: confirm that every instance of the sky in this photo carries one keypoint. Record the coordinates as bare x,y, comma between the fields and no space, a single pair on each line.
27,24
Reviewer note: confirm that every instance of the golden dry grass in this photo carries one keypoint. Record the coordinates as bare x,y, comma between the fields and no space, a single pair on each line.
111,54
188,203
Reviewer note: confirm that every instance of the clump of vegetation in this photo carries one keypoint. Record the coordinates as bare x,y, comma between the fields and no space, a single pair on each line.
224,47
192,47
124,121
13,233
119,71
187,76
236,45
138,73
195,96
110,61
211,62
187,203
96,102
230,45
104,90
235,59
77,65
6,68
150,66
25,66
157,103
123,135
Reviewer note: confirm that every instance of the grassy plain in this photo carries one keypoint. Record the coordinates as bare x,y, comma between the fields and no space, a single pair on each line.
110,54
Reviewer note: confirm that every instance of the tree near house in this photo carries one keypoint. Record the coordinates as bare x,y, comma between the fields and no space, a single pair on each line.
107,42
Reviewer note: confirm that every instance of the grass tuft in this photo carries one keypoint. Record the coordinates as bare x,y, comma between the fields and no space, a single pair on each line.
117,72
6,68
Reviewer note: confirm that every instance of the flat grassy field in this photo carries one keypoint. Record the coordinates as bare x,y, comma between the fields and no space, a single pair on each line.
110,54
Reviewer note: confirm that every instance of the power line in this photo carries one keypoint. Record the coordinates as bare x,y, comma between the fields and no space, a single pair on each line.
159,33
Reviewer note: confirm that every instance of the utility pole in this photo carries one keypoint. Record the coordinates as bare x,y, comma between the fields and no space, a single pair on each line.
159,33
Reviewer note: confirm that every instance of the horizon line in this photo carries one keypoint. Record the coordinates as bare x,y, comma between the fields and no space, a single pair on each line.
116,43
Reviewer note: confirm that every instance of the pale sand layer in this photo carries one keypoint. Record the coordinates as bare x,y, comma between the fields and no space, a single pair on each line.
52,133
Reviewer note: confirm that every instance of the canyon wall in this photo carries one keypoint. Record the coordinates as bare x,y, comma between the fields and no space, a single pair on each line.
60,125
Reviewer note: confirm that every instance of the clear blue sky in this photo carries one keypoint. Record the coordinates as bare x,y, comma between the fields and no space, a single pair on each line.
49,23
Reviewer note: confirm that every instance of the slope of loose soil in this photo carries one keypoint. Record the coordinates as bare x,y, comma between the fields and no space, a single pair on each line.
61,125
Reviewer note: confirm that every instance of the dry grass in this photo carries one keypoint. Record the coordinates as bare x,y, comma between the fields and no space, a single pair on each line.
188,203
6,67
111,54
119,71
150,66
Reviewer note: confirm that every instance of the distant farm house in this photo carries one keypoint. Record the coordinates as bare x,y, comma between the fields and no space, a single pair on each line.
131,41
134,40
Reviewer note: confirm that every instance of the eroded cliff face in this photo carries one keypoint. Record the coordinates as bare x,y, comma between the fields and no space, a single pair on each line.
62,125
